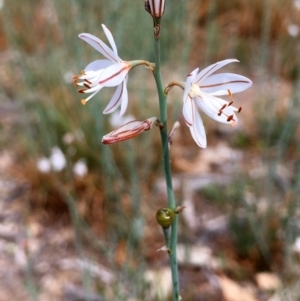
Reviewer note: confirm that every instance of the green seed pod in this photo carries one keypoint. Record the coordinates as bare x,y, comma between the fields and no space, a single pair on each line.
165,217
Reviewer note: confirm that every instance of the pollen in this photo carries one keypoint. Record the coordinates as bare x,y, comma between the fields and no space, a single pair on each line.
83,101
230,103
194,91
240,109
86,85
81,90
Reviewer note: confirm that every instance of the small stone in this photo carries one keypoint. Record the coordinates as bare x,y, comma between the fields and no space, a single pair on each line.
267,281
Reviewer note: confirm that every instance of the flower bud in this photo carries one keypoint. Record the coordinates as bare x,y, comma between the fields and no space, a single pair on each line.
165,217
174,128
155,8
129,130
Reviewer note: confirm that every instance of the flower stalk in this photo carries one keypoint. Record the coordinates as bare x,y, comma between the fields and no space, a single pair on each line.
172,244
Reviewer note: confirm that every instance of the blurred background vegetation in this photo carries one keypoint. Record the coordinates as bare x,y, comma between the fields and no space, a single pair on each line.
111,205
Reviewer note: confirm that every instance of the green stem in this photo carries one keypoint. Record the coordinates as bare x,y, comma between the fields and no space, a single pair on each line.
166,159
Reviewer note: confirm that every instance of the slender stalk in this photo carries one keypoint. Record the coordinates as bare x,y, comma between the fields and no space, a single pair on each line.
168,173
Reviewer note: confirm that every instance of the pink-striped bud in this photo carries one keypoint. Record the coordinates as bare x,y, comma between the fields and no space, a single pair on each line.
155,8
129,130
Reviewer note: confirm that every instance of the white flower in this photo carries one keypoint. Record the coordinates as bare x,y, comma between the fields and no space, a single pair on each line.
106,73
293,30
43,165
297,4
201,89
80,169
297,245
57,159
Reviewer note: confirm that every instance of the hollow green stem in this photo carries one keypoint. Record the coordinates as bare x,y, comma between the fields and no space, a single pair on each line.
166,160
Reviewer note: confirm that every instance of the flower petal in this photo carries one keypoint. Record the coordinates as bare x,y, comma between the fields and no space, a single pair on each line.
189,81
115,100
111,41
97,65
219,84
114,74
124,101
211,69
197,131
188,110
157,8
99,46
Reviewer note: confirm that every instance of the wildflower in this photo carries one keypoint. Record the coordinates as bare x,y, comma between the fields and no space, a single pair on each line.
293,30
201,89
297,245
129,130
44,165
155,8
297,4
112,72
80,168
57,159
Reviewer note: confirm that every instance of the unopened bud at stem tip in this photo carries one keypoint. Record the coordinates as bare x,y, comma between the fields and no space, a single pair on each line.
155,8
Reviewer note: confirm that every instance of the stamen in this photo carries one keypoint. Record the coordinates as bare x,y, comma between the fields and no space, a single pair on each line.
86,85
82,90
230,103
230,117
240,109
75,81
220,113
83,101
223,107
82,72
89,82
229,93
